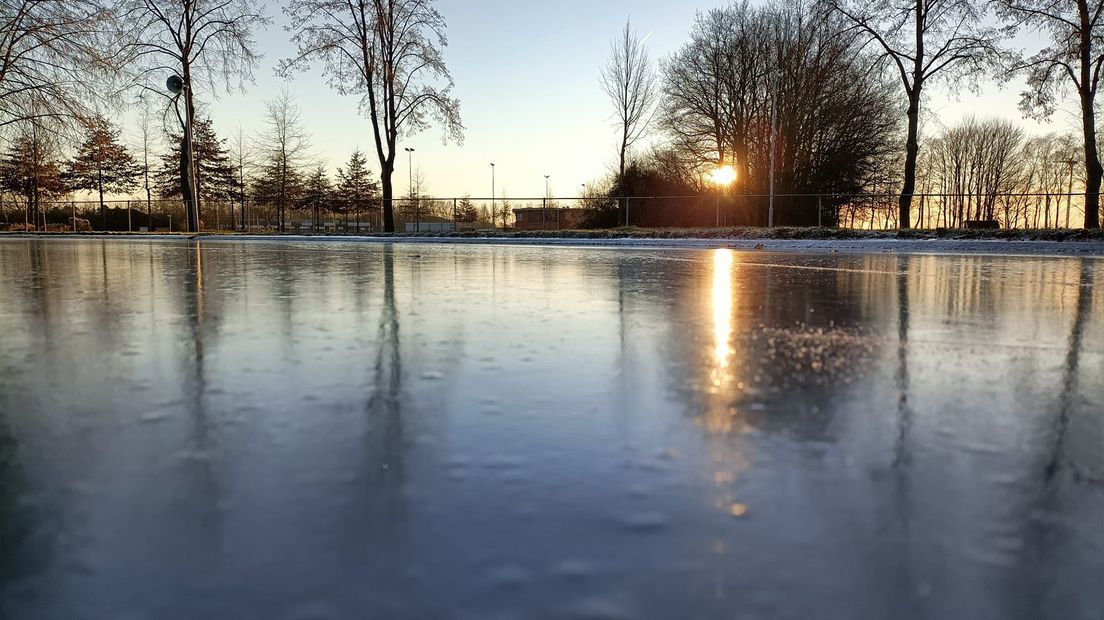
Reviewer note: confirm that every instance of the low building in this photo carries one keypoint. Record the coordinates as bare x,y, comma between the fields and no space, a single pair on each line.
547,218
430,224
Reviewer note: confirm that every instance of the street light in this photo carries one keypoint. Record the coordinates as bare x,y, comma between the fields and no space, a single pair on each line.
773,151
176,86
722,176
492,197
544,211
410,183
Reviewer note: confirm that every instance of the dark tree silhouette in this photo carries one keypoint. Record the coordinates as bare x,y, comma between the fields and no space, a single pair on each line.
923,40
390,53
1075,57
746,69
629,81
216,177
355,187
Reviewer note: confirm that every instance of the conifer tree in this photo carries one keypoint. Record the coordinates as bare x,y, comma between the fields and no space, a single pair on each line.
102,164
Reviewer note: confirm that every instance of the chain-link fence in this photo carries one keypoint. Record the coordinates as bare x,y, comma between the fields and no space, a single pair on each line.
436,215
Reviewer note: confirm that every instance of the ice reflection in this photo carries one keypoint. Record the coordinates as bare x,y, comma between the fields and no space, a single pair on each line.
519,430
722,311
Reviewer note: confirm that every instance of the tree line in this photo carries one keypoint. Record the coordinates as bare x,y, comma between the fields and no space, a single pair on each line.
797,96
827,97
64,61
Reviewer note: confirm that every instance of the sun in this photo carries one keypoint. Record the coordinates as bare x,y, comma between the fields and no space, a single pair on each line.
723,175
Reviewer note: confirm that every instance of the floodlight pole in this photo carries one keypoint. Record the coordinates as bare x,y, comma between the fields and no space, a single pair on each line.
410,182
493,196
176,85
773,135
193,208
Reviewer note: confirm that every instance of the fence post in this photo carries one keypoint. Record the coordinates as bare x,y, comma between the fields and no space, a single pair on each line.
820,212
73,206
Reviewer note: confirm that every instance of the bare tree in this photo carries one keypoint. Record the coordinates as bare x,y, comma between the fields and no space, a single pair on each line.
285,149
242,158
53,59
32,169
975,165
1075,58
205,42
746,69
629,80
145,140
390,53
924,40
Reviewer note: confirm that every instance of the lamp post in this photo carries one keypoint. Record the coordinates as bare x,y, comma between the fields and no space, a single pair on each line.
773,148
410,183
544,210
493,195
176,86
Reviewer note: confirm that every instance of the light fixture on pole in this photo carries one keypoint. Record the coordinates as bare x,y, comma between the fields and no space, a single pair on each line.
774,149
492,195
175,84
544,210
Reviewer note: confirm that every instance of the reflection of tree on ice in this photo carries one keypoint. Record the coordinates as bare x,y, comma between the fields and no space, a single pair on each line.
384,408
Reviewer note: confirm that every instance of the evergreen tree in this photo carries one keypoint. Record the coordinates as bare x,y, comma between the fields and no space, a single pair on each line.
102,164
216,177
506,210
278,184
318,193
466,211
355,188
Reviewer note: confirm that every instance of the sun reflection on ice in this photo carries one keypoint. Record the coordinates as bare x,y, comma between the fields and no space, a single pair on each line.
722,311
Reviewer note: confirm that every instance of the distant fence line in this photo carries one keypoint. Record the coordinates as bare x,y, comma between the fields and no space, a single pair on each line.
426,214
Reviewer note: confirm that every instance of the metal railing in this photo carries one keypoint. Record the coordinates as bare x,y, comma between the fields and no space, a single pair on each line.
435,215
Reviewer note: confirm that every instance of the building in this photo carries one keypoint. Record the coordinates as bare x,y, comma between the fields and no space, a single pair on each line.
435,225
547,218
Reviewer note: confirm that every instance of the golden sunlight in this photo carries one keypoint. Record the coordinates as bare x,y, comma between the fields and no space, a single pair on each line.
724,175
722,306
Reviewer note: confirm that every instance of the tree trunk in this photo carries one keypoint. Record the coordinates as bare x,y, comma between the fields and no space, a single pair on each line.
1093,169
912,148
623,207
190,186
99,187
388,192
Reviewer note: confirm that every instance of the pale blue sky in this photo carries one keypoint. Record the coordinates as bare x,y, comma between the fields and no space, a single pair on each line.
526,74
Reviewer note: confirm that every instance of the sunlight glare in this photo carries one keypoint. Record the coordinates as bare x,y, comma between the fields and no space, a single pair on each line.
722,306
724,175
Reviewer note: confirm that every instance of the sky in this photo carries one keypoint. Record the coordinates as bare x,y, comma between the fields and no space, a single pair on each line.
527,77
